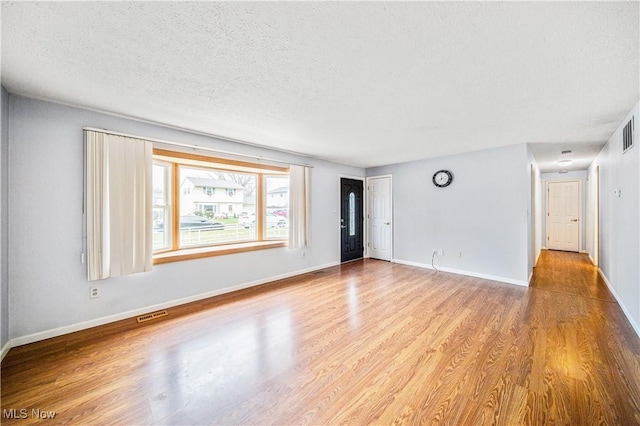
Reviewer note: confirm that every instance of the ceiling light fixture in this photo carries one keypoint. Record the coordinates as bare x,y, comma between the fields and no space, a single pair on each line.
565,163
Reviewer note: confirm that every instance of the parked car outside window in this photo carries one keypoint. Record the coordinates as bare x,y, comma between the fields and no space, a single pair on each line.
194,221
272,221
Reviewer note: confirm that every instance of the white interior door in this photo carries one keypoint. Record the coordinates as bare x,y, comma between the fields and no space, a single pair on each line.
563,216
379,217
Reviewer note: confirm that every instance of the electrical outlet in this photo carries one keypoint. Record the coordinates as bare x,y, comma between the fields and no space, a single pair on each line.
440,252
459,255
93,293
304,253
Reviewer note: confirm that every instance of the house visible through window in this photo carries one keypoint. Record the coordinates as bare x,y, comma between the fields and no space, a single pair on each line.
219,202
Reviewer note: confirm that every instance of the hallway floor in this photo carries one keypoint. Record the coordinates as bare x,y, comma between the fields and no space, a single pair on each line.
569,273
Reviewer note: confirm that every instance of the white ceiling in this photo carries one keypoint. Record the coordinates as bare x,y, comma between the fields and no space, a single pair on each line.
548,154
361,83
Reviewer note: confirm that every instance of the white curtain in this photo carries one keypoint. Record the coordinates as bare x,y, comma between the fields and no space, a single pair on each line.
119,205
299,207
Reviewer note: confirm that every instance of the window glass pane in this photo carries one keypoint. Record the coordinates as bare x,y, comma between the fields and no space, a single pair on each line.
276,216
161,220
352,214
216,207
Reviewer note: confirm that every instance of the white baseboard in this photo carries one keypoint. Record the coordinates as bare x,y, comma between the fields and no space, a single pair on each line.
5,349
35,337
579,251
617,297
460,272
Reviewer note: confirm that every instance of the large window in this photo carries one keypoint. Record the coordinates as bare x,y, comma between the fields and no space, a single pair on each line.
205,206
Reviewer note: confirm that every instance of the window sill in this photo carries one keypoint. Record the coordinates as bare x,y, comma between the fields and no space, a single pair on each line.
200,252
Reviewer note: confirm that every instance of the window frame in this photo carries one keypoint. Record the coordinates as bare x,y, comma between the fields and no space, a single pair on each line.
177,159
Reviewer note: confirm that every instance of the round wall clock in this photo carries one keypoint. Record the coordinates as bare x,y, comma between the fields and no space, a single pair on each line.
442,178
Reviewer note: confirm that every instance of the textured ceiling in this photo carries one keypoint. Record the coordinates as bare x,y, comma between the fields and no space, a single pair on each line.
361,83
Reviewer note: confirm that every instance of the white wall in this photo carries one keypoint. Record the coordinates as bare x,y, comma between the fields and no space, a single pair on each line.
579,175
619,255
4,265
48,284
483,213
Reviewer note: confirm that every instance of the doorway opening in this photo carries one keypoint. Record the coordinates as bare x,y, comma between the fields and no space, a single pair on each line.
596,217
534,253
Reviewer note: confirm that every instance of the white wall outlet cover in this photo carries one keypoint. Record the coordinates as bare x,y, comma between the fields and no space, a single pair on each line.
94,292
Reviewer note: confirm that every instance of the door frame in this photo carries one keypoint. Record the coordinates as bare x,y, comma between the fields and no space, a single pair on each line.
546,211
596,216
534,254
365,236
366,218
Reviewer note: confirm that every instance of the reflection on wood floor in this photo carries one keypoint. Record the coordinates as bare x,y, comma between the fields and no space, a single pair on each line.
369,342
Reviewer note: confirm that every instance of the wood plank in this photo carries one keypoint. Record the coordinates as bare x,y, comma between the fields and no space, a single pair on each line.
368,342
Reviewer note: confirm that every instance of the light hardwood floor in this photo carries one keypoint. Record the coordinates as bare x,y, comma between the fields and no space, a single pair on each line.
369,342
